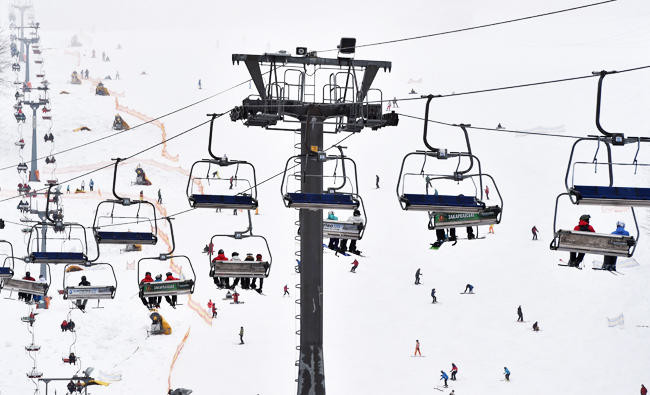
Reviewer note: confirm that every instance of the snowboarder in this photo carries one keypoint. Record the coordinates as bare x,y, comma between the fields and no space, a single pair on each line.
81,303
334,242
506,372
235,297
91,184
214,310
499,126
644,390
286,290
241,335
433,296
355,264
376,181
159,197
535,327
417,348
469,289
609,261
487,192
443,376
418,273
452,392
358,221
520,315
171,300
454,371
200,83
534,230
575,259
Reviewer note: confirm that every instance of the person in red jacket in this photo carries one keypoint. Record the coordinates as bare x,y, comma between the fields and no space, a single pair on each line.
644,390
171,300
258,258
221,282
24,296
235,297
286,290
152,301
575,259
355,264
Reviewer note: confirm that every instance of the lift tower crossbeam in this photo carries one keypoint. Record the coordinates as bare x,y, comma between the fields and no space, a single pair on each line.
280,98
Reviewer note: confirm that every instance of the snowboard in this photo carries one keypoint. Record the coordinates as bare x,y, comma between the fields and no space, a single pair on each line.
468,293
240,302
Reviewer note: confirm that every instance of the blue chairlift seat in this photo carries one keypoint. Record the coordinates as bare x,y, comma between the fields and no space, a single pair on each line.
442,203
125,237
6,272
58,257
244,202
612,196
323,201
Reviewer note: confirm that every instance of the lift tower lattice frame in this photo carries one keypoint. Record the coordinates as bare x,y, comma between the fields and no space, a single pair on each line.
280,100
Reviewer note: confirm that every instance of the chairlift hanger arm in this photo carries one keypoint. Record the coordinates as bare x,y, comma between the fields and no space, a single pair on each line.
609,161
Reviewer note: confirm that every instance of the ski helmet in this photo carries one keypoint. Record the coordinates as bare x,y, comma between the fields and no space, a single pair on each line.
585,217
620,224
356,213
220,252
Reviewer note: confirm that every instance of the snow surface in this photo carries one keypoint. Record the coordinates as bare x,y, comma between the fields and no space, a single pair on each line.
373,317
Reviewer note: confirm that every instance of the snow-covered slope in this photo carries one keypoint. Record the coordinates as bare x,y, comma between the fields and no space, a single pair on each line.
373,317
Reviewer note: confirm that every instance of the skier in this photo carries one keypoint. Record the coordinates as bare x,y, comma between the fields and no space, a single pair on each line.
91,184
491,229
520,315
535,327
644,390
534,230
235,297
171,300
147,279
355,264
83,185
199,83
334,242
67,190
141,195
286,290
417,348
506,372
575,259
609,261
469,288
433,296
418,273
81,303
487,192
241,335
159,197
343,246
214,310
443,376
377,181
454,371
499,126
117,75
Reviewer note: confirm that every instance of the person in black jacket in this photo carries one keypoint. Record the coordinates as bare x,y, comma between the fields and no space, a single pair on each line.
82,303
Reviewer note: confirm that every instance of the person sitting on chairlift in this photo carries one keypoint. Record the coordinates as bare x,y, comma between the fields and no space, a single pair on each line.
158,299
171,300
151,302
25,296
609,261
575,258
258,258
235,258
334,242
221,282
246,282
343,246
81,304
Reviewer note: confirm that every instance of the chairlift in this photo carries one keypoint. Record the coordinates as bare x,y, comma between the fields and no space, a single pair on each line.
242,269
22,167
81,292
448,211
15,67
172,287
29,287
245,200
125,237
6,271
20,116
66,230
332,198
50,159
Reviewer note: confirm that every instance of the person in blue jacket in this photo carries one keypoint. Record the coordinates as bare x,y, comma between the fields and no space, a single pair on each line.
443,376
506,372
609,262
334,242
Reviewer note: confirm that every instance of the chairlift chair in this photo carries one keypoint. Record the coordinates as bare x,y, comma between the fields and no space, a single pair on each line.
6,271
331,198
26,286
243,269
167,288
125,237
81,292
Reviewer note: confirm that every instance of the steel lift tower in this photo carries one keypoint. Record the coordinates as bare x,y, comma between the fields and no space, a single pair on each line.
26,42
35,104
318,93
22,7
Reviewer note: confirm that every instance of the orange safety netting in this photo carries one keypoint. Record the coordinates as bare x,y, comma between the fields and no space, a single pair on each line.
179,348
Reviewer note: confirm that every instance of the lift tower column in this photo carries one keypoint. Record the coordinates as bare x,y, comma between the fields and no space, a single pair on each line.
310,90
